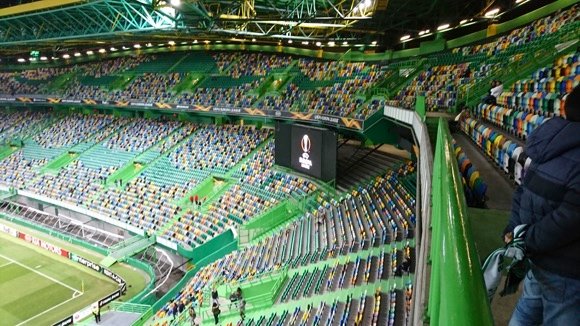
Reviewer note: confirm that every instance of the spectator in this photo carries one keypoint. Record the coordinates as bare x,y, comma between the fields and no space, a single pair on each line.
548,204
243,309
97,313
215,309
192,315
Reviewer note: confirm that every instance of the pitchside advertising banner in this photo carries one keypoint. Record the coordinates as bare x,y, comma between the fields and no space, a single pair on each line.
322,118
81,314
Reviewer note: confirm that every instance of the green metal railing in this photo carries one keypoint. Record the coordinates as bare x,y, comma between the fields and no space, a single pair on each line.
457,293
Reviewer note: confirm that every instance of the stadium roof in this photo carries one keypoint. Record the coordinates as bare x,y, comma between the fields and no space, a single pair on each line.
50,25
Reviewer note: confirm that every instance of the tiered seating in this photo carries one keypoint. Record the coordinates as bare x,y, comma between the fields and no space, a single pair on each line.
439,85
474,187
217,148
529,102
148,88
75,183
254,64
235,96
22,125
97,70
364,111
524,35
141,203
16,170
318,236
506,153
71,129
140,134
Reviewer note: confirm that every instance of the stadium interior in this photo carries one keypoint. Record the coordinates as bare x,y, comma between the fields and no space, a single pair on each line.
332,160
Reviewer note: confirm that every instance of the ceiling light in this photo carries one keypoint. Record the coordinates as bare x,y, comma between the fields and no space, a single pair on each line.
421,33
137,46
89,52
21,60
345,43
318,44
442,27
54,58
290,41
77,54
172,43
43,58
148,45
492,12
175,3
183,43
102,50
405,37
331,43
194,41
113,49
521,1
463,22
206,41
65,56
304,42
218,41
125,48
253,40
32,59
374,43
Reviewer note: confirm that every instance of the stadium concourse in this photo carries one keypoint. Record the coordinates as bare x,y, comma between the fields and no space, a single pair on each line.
273,185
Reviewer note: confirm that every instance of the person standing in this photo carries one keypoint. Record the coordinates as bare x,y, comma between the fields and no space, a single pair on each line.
97,313
215,309
243,309
547,207
192,315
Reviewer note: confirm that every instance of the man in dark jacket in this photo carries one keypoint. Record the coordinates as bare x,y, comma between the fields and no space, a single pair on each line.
548,203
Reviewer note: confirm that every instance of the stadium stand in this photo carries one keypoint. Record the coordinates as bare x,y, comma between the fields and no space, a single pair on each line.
474,186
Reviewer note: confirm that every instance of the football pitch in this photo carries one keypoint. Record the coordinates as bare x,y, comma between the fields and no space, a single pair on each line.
38,287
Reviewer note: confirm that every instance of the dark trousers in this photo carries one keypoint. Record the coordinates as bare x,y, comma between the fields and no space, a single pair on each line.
217,318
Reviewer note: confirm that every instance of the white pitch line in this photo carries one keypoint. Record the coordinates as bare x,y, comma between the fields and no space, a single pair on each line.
39,273
49,309
8,263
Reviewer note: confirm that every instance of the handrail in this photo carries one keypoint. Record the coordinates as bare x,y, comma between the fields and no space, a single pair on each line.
457,293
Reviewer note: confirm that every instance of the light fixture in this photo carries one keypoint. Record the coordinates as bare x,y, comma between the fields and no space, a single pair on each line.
113,49
77,54
149,45
331,43
318,44
442,27
345,43
304,42
89,52
102,50
521,1
206,41
218,41
374,43
125,48
43,58
463,21
492,13
421,33
65,56
175,3
137,46
183,43
289,41
32,59
21,60
194,41
253,40
405,37
172,43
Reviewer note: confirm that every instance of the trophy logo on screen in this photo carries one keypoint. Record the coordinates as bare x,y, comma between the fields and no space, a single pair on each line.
304,160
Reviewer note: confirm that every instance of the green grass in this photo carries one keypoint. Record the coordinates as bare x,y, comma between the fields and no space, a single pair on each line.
40,288
135,278
487,226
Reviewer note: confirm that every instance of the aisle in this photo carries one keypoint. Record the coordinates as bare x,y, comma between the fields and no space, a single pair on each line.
499,189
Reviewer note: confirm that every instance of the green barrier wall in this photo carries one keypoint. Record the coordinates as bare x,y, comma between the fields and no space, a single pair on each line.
457,294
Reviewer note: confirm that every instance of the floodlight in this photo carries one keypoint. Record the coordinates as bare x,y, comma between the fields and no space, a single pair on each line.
65,56
77,54
492,13
405,37
442,27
